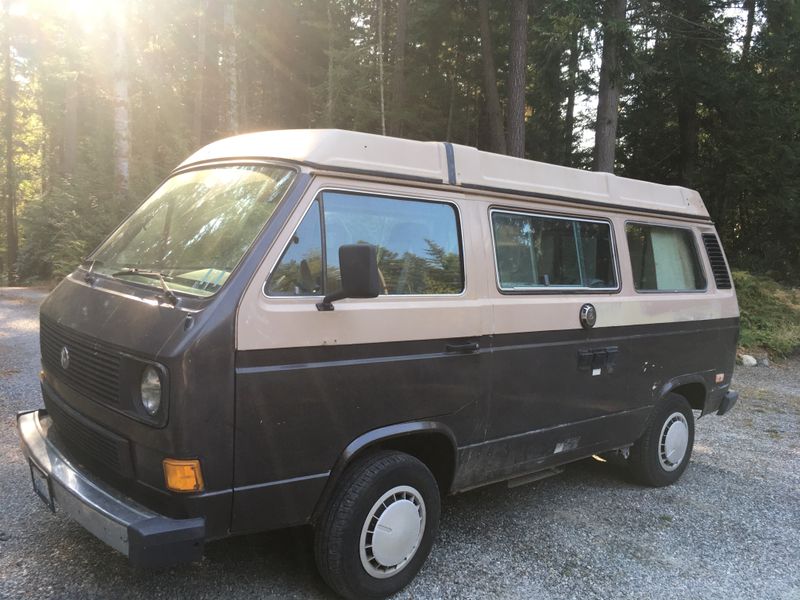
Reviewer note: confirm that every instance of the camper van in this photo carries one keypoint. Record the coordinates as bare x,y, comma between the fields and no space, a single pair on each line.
337,329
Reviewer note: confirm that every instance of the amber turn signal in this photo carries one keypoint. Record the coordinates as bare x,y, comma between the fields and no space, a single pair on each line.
183,475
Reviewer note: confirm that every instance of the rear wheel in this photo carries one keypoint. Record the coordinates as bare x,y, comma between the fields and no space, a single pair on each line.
661,455
379,526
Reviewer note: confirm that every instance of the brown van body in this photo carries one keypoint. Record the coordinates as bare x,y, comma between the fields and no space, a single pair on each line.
275,398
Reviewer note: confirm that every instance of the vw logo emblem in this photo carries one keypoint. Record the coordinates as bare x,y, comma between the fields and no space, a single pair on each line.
64,358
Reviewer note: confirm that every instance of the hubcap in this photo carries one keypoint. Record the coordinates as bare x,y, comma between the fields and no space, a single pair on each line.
392,531
673,441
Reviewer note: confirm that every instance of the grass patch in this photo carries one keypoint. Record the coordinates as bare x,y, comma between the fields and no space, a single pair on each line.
770,314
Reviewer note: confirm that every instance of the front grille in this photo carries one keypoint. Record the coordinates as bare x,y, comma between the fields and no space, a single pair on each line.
93,369
88,442
717,260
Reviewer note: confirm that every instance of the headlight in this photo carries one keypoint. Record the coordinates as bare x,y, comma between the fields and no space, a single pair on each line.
151,390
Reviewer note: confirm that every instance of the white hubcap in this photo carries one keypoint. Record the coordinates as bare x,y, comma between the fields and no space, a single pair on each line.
673,441
392,531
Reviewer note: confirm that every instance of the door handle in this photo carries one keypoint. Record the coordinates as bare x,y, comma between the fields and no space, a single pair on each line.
463,347
599,358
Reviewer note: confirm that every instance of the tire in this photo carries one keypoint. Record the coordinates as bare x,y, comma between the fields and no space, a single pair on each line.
356,558
661,455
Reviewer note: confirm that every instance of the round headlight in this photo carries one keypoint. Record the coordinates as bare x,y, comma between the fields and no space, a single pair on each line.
151,390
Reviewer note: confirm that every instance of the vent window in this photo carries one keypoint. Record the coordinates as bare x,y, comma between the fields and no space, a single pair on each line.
717,260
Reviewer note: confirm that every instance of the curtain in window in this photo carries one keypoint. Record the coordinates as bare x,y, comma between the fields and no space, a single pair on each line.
673,260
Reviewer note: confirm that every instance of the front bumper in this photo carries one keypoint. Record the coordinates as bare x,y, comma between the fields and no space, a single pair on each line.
147,538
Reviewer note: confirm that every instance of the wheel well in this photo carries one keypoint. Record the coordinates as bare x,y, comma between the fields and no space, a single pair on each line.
433,449
695,394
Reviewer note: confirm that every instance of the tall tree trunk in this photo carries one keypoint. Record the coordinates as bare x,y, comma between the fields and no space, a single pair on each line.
329,85
122,127
199,93
399,71
572,89
610,86
497,139
688,133
69,145
452,103
230,68
686,99
44,149
750,7
12,241
515,114
380,66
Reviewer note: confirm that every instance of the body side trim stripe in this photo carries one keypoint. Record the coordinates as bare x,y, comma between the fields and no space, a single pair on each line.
255,486
602,339
345,363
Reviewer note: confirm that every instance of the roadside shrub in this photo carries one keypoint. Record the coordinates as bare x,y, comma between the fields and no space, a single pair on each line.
770,314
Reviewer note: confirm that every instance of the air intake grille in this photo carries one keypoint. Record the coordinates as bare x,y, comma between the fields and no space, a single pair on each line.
717,260
93,369
88,442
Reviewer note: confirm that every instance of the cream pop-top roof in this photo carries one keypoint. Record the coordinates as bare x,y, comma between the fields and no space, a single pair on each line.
465,166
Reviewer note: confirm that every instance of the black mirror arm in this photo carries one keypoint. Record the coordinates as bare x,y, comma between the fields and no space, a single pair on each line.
327,301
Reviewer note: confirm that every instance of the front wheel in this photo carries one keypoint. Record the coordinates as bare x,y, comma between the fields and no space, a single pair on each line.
661,455
379,526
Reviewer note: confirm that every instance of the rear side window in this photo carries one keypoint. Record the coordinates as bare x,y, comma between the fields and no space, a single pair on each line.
418,242
664,258
536,252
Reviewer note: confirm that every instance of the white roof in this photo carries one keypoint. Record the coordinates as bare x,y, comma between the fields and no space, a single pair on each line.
468,167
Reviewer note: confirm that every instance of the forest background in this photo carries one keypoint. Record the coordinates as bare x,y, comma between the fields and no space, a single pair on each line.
100,99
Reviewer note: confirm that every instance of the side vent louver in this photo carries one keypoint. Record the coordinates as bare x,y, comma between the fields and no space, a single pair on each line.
717,260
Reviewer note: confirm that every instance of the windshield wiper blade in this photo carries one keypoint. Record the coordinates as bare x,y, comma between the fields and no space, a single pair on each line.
134,271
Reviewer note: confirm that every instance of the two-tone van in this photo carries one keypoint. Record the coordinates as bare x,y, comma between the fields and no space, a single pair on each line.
337,329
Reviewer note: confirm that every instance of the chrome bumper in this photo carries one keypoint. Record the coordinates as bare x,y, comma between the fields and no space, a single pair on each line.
147,538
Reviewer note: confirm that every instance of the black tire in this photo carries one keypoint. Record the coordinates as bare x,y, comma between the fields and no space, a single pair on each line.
337,543
648,463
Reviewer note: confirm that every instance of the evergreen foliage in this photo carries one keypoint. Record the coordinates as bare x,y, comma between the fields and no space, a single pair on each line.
706,101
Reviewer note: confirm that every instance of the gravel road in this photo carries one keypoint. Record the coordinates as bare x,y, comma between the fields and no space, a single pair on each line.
729,529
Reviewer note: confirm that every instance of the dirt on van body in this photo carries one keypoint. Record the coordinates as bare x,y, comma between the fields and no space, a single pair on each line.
728,529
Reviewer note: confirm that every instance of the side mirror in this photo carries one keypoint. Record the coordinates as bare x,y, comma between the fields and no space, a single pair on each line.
358,266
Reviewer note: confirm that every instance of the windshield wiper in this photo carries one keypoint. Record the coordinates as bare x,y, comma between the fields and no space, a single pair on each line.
170,295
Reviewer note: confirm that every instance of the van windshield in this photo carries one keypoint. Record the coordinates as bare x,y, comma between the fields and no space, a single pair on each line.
194,229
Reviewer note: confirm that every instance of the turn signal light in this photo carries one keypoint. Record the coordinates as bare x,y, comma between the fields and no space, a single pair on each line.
183,475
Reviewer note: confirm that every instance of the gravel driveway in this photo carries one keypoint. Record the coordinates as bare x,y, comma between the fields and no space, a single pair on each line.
729,529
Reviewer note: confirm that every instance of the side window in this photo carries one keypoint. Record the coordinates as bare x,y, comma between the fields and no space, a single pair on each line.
534,251
299,271
663,258
418,242
419,248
